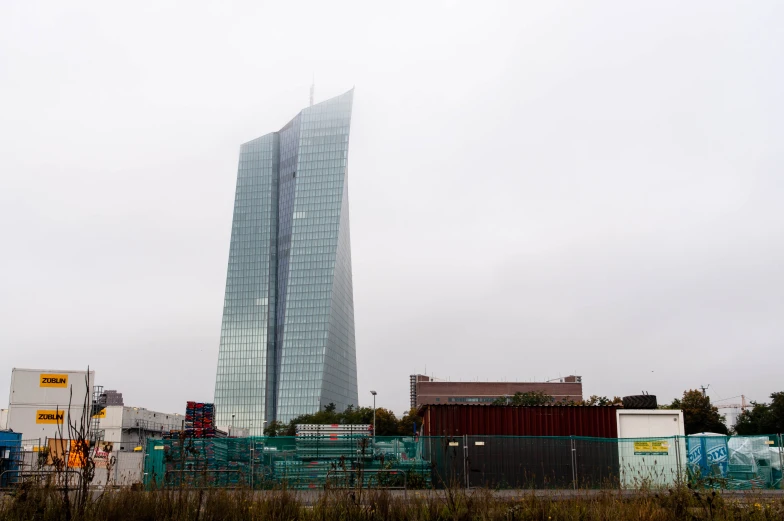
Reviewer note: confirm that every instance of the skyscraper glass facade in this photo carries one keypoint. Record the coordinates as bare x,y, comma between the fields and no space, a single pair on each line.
287,337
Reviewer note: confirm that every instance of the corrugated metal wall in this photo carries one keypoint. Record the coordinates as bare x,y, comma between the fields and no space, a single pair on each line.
493,420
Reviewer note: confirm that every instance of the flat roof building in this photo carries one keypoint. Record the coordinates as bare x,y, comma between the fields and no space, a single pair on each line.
426,390
129,427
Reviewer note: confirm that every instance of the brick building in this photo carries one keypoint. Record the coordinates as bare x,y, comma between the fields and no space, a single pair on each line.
427,390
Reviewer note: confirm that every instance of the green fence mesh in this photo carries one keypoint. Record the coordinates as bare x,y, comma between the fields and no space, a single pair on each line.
726,462
315,462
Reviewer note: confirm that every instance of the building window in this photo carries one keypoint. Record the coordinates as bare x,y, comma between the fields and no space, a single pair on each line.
472,399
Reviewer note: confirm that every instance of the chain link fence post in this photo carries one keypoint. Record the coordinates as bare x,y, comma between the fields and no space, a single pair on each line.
574,462
678,458
466,466
251,462
781,461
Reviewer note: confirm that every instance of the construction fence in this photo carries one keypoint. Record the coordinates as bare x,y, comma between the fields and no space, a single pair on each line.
314,461
118,469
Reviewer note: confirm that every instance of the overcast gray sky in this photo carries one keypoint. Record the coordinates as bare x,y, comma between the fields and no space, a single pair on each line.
537,188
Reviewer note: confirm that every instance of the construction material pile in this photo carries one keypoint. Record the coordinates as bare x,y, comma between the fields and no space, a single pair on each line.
330,442
349,456
199,423
200,420
318,456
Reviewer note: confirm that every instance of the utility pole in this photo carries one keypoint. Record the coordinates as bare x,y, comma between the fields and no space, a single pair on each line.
374,420
704,388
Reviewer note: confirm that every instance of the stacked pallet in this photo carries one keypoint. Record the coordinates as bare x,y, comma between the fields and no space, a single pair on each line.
334,441
200,420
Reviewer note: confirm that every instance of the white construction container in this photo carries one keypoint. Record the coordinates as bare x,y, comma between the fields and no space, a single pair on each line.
50,386
651,447
41,398
40,421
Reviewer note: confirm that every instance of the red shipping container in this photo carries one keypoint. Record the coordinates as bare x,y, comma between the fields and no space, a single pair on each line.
502,420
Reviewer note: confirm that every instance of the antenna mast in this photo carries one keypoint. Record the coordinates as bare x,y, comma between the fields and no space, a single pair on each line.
312,90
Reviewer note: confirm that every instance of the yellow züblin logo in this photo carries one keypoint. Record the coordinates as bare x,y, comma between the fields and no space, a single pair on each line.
54,380
49,416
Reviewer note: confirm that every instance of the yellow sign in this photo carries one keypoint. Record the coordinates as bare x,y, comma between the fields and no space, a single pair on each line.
101,414
54,380
651,448
49,416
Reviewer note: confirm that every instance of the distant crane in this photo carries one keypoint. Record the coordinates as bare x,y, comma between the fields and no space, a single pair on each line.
742,405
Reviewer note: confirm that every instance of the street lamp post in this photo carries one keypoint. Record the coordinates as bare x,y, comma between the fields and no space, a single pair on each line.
374,420
253,452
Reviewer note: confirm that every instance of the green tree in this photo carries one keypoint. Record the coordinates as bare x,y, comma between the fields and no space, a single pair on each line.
357,415
407,422
777,410
326,416
698,413
601,401
274,428
525,399
763,418
386,422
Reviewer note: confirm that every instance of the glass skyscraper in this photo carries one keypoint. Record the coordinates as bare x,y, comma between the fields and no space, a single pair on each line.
287,337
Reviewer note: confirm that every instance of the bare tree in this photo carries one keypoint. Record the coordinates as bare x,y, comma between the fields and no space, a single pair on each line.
72,455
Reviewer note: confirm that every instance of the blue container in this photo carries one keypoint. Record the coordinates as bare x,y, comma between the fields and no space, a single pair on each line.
10,456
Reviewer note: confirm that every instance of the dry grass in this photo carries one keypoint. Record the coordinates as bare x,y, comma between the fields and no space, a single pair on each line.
46,504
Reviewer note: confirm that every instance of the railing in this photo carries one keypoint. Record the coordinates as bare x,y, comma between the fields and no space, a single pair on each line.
363,478
24,476
204,478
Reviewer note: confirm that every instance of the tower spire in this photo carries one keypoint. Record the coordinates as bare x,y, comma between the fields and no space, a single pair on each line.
312,90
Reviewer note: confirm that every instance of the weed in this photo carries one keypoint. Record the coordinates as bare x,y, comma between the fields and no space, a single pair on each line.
46,503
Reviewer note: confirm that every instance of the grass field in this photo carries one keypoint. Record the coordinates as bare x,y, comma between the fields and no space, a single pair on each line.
42,503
